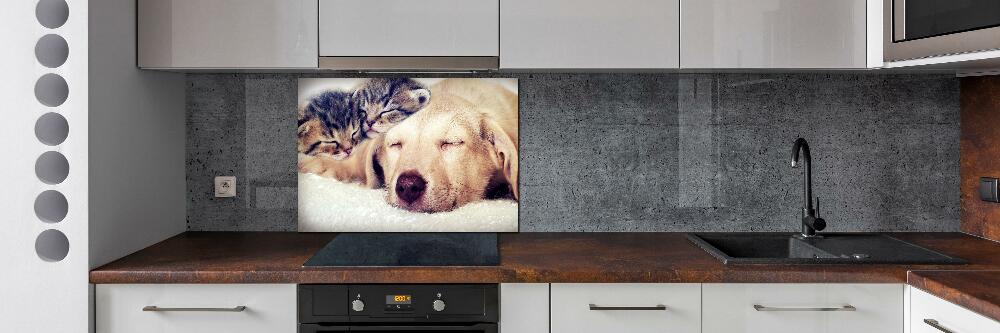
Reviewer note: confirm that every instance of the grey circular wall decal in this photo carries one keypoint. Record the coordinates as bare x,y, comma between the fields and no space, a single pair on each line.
52,245
51,129
52,167
51,51
52,13
51,90
51,206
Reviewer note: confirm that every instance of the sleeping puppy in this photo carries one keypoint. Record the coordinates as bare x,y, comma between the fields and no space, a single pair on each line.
461,148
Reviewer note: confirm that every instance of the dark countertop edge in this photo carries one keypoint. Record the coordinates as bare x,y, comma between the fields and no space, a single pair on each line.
348,275
500,276
966,294
334,277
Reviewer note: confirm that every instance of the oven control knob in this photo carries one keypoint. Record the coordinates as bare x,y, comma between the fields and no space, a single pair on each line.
438,305
358,305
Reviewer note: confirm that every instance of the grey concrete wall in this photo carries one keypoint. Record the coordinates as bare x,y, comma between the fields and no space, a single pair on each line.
640,152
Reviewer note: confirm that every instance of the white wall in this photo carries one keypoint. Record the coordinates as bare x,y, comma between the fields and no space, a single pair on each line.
137,187
38,295
125,150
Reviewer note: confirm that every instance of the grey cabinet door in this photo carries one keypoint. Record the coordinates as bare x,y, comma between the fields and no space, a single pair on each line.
773,34
228,33
407,28
589,34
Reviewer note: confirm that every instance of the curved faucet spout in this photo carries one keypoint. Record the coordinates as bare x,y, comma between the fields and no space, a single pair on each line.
810,222
807,188
800,144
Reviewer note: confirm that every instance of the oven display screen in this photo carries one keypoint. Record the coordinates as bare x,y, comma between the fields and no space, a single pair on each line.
398,299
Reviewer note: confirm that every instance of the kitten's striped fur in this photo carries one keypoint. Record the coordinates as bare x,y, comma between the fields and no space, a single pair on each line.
334,122
330,124
387,101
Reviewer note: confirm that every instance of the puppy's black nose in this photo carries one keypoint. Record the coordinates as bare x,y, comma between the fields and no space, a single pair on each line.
410,186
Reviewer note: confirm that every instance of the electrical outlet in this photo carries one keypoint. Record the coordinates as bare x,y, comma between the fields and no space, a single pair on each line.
225,187
988,189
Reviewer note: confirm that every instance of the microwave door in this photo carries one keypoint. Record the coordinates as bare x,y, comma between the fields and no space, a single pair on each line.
916,19
916,29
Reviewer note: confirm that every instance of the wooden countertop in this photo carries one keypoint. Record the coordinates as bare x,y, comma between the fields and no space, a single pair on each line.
277,257
978,291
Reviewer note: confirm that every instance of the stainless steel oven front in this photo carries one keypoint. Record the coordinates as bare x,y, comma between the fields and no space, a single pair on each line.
386,308
915,29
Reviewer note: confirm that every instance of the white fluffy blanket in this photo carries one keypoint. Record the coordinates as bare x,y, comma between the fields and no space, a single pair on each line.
328,205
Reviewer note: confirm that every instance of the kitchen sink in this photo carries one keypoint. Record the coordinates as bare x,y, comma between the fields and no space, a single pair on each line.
837,248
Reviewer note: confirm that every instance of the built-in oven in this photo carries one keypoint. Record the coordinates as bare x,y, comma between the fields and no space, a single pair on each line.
928,28
385,308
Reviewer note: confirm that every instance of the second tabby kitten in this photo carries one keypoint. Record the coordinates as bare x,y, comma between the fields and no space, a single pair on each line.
387,101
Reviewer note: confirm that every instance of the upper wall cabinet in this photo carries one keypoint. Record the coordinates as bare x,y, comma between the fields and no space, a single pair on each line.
400,34
227,33
774,34
589,34
508,34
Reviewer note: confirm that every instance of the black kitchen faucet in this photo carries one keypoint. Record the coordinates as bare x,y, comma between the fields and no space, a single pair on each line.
810,221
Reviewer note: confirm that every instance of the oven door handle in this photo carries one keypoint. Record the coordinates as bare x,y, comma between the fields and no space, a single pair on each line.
481,327
315,328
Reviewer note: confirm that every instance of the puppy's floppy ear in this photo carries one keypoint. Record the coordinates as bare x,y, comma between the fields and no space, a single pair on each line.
505,150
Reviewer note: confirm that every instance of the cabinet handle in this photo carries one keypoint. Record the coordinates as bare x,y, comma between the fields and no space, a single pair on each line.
594,307
848,307
159,309
935,324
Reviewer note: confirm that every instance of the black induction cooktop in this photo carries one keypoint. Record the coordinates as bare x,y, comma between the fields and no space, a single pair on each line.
408,249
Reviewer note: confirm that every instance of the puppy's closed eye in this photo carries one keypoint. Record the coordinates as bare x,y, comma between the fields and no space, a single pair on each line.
396,145
451,143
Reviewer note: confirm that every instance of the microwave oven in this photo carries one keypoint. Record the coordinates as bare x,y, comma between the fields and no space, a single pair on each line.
915,29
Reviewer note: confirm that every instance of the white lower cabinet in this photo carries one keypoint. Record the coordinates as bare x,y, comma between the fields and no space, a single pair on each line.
524,307
569,308
196,308
930,314
816,308
625,307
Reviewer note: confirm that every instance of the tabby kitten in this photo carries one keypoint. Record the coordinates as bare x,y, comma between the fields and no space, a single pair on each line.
385,102
330,125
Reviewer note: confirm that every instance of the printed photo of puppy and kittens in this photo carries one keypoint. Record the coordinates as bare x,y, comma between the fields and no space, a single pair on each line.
408,155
